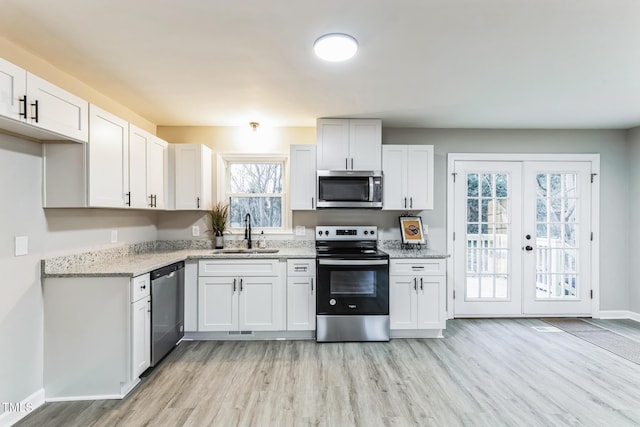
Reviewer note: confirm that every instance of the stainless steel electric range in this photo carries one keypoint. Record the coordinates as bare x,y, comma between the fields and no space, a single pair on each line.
352,276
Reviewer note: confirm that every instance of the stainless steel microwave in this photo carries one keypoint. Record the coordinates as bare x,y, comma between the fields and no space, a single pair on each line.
349,189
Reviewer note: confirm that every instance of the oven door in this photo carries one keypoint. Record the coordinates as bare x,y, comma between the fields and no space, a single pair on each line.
352,286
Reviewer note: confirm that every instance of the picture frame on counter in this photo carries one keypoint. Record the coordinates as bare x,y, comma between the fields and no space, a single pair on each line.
412,232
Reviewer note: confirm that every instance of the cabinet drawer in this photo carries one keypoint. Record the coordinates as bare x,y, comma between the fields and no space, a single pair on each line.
263,267
140,287
433,267
301,267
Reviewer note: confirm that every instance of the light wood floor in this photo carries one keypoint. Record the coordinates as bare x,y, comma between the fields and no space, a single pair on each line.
483,373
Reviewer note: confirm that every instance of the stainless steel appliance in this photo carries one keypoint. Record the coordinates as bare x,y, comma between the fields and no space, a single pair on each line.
350,189
167,310
352,276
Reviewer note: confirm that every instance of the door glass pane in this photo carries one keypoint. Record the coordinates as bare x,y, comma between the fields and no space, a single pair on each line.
488,227
557,225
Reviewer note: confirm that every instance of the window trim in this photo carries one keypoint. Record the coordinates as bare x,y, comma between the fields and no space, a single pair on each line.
222,185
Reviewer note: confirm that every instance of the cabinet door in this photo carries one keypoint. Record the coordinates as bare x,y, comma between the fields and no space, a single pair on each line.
301,304
431,302
218,304
260,308
365,144
13,86
420,176
303,177
192,163
394,180
157,161
140,336
107,159
333,144
137,168
403,305
57,110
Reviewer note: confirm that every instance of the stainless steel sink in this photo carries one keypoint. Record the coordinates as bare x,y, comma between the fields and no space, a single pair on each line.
246,251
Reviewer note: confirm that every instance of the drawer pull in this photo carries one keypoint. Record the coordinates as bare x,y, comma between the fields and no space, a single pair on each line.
417,267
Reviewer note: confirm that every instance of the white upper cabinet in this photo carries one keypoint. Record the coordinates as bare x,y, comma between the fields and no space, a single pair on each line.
192,176
148,166
35,108
408,177
303,177
13,89
349,144
107,159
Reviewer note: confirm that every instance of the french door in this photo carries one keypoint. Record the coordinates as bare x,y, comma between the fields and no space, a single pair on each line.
522,238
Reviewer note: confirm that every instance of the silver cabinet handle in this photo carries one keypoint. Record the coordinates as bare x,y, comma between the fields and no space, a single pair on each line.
421,285
234,286
352,163
405,202
346,163
415,284
312,203
312,285
411,202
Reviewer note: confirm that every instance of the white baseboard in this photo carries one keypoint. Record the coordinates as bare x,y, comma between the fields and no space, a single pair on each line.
618,314
20,409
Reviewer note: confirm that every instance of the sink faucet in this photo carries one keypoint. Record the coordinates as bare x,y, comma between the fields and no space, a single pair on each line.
247,229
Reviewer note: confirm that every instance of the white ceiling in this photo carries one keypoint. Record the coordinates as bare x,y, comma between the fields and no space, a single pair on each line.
421,63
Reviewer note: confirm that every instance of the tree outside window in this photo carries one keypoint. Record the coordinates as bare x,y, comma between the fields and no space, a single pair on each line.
256,187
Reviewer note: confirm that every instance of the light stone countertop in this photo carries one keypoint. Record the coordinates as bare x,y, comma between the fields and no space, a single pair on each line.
138,264
415,253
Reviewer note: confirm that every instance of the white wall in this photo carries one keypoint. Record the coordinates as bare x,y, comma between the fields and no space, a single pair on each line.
50,232
634,208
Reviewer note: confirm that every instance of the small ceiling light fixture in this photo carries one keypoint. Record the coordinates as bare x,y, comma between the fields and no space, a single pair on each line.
335,47
254,125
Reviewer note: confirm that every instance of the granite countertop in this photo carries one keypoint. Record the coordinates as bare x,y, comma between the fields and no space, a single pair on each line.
415,253
136,264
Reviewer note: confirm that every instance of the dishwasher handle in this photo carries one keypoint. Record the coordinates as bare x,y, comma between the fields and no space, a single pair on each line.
169,270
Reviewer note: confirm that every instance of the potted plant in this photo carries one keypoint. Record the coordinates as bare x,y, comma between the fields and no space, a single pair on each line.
218,217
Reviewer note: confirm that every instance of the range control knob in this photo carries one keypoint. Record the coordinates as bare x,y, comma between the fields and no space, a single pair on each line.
366,232
326,232
373,232
332,301
320,233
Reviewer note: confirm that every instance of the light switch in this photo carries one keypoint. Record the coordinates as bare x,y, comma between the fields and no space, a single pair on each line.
300,230
22,245
195,231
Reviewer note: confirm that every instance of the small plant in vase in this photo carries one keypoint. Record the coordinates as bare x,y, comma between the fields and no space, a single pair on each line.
218,217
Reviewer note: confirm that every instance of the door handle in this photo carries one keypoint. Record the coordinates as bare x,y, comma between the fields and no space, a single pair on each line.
411,202
352,163
198,202
421,285
234,286
240,285
35,116
405,202
23,112
415,284
346,163
128,203
312,285
312,203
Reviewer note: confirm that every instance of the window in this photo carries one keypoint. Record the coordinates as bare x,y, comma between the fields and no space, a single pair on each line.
256,185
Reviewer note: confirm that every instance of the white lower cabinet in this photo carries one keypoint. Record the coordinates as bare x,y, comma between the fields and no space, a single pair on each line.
301,295
140,325
417,292
241,295
97,336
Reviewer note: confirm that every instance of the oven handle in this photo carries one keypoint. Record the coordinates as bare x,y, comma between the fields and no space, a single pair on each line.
353,262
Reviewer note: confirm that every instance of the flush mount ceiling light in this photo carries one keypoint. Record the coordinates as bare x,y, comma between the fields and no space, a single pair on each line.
254,125
335,47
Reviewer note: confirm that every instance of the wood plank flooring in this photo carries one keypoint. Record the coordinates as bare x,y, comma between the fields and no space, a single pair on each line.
485,372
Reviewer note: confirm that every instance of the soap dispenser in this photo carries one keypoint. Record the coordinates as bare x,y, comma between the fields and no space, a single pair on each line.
262,243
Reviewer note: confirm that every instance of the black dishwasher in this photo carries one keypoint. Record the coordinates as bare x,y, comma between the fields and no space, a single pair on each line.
167,310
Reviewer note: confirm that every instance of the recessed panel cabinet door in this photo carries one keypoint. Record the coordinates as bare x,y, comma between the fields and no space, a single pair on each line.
218,304
431,302
156,166
365,144
403,304
13,87
419,176
56,110
141,336
303,177
260,308
333,144
108,159
394,181
138,168
301,304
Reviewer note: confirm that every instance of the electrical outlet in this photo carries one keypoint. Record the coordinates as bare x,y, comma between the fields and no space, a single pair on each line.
195,231
22,245
300,230
114,236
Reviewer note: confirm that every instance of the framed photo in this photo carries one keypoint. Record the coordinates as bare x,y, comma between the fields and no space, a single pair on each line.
411,230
